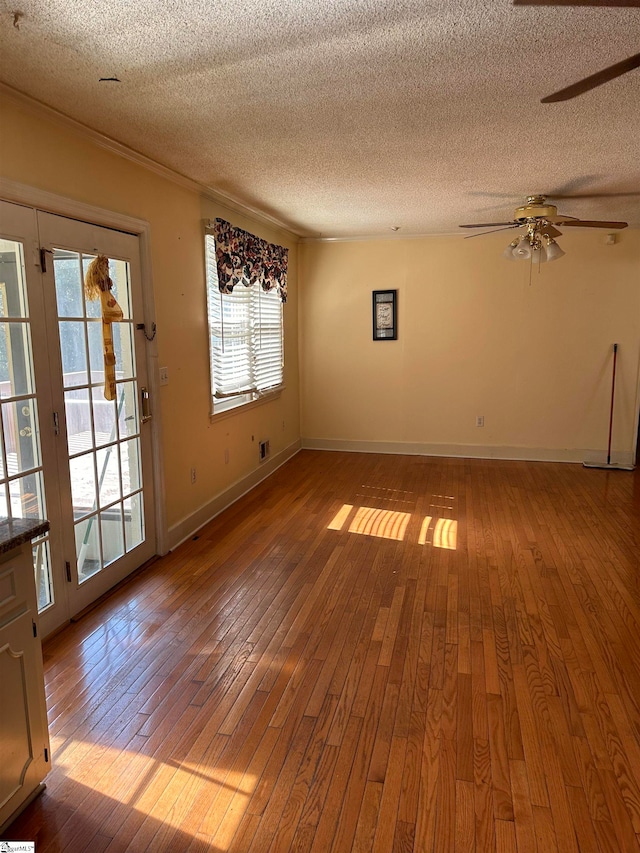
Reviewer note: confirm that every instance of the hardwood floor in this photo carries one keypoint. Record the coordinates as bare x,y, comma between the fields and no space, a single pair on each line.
322,669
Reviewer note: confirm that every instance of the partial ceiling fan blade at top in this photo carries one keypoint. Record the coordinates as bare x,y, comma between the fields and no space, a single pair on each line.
594,80
632,4
591,223
490,224
593,195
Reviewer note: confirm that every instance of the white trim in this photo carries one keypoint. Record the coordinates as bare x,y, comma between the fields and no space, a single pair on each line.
186,527
52,203
636,420
153,377
63,206
103,141
467,451
267,397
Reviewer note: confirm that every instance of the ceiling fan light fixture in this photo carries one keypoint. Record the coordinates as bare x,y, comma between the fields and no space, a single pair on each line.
553,251
539,219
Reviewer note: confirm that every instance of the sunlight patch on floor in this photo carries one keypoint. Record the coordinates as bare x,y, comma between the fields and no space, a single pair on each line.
424,529
445,534
337,523
383,523
161,790
390,524
379,493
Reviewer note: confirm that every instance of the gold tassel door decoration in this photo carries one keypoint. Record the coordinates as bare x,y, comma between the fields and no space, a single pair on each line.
98,285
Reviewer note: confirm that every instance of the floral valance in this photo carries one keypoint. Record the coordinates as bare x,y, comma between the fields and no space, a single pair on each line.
243,258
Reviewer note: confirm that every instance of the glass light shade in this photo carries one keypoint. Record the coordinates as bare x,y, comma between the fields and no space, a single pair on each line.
523,249
554,251
539,255
508,252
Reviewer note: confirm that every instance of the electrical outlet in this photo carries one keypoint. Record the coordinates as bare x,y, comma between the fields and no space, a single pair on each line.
193,475
479,420
164,375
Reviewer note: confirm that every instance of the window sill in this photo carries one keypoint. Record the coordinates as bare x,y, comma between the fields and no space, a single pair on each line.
242,407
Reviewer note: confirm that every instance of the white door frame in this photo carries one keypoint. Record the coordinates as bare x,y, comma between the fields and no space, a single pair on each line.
52,203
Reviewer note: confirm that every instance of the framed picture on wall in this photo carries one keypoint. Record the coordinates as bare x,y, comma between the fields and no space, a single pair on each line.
385,315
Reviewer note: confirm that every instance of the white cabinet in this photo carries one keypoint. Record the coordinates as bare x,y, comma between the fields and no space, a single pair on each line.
24,736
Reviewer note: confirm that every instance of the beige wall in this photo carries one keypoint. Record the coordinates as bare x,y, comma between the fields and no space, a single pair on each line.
48,155
475,338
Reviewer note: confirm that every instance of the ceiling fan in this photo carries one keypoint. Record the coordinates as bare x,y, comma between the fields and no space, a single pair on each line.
539,219
600,77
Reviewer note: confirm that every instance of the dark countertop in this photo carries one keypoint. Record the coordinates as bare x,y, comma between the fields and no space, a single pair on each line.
17,531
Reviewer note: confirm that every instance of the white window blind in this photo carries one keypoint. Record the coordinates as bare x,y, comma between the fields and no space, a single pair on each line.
246,339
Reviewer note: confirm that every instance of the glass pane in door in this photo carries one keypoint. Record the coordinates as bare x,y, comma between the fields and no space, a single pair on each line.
103,436
21,476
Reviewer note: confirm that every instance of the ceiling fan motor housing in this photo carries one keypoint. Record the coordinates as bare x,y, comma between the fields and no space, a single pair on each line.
536,209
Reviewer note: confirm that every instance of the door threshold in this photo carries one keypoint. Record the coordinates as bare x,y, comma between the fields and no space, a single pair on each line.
90,607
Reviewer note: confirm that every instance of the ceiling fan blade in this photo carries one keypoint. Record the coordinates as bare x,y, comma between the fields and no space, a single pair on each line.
489,225
633,4
560,219
594,80
591,223
469,236
594,195
550,231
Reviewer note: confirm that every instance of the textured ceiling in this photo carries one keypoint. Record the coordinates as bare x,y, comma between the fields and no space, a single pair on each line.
349,117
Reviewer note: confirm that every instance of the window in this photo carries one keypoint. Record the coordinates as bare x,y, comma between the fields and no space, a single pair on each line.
245,339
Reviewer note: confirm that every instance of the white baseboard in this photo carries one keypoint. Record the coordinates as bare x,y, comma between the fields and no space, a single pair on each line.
468,451
188,525
618,457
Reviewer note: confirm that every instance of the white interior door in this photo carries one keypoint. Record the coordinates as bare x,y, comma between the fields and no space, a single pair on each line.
104,448
66,452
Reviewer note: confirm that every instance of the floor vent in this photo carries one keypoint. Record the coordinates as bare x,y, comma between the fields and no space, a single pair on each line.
265,450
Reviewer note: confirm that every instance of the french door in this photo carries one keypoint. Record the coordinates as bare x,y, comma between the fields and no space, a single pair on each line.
72,455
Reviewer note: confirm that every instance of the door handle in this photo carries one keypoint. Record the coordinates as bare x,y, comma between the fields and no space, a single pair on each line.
145,405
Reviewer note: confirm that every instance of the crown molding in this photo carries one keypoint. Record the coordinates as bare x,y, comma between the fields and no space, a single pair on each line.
42,110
